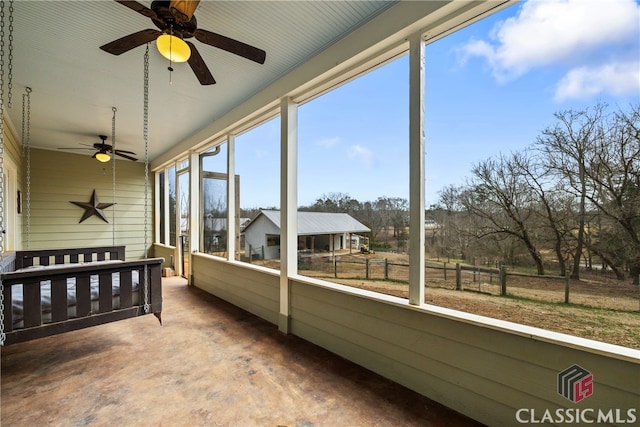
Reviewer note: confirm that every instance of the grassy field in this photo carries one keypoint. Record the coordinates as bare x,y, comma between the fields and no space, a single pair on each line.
606,325
601,309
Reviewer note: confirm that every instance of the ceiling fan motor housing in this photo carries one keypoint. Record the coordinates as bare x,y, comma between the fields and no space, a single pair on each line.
177,25
167,23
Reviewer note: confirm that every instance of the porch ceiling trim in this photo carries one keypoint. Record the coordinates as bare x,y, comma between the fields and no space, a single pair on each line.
376,42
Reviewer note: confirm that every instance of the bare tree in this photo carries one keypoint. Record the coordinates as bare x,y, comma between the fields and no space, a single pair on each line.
614,176
552,208
503,200
567,147
578,195
372,219
444,222
336,202
394,211
457,225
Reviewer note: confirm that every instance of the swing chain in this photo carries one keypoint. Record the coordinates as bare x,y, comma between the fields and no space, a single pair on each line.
9,54
2,68
26,151
113,172
10,58
2,202
2,334
146,173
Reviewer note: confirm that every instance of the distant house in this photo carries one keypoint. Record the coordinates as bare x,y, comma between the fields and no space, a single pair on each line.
317,231
431,224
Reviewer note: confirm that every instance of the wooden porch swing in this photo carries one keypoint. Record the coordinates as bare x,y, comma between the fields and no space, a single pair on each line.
52,291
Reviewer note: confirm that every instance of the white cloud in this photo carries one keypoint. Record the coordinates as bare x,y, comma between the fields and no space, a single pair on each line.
362,154
571,33
328,142
587,82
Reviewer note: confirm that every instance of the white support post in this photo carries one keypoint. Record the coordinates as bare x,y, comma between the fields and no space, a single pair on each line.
288,205
156,208
194,209
167,221
416,169
231,198
178,252
166,209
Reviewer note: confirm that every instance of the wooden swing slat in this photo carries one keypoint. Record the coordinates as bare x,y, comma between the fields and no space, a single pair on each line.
32,309
7,308
126,289
83,295
105,300
59,310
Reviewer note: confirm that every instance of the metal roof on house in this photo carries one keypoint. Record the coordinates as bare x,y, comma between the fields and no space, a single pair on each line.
310,223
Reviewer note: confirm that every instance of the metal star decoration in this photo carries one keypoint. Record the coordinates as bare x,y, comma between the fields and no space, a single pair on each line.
93,207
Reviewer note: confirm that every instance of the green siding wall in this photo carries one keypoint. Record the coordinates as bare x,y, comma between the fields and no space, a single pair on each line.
13,158
57,178
252,289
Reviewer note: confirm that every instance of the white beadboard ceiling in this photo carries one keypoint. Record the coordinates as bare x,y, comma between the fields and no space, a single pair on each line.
75,84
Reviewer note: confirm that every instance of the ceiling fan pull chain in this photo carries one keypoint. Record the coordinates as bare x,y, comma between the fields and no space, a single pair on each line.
113,172
170,55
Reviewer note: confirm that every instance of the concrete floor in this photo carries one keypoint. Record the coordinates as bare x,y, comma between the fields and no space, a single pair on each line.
210,364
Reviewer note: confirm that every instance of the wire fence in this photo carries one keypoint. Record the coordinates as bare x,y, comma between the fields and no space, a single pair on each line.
500,281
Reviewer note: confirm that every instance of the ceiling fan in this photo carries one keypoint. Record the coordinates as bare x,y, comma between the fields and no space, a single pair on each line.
103,151
176,23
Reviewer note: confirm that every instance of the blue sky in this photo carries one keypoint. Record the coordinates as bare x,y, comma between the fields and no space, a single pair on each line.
491,87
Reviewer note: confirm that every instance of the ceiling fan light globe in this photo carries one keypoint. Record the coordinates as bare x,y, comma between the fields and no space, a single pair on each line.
173,48
103,157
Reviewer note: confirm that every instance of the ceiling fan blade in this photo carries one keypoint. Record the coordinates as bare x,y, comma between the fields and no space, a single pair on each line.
75,148
199,68
141,9
124,151
231,45
118,153
131,41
